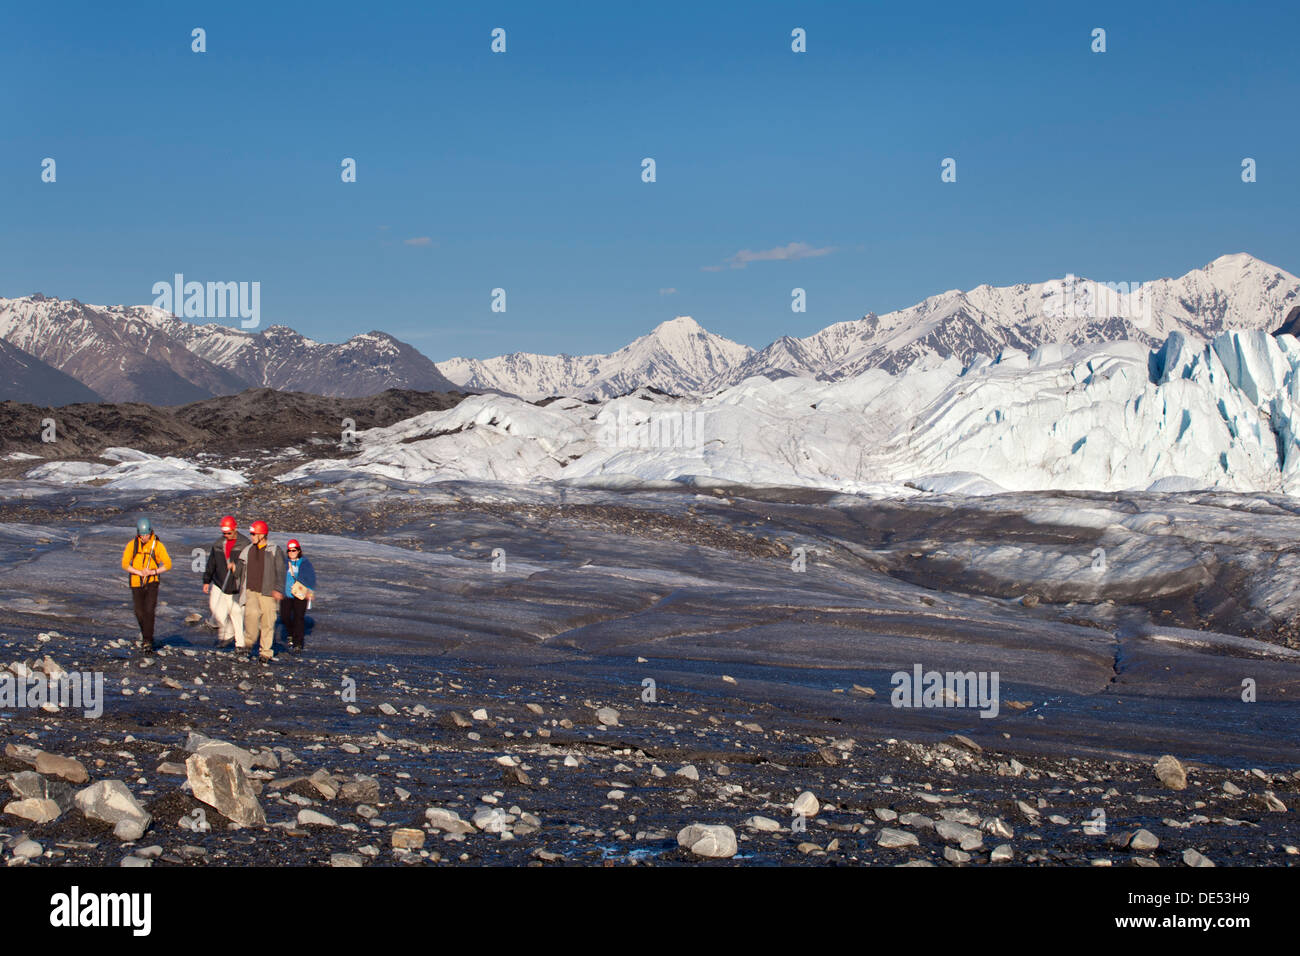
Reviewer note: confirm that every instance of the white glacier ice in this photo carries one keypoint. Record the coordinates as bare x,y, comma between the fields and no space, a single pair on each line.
1113,416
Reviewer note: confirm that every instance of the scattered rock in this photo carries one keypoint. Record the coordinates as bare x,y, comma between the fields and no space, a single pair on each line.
1193,858
35,809
312,818
408,838
1171,773
1144,840
52,765
220,781
714,842
129,831
806,804
965,836
893,839
607,716
110,801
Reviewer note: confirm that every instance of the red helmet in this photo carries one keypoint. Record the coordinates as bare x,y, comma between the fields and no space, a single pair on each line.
228,523
291,544
260,527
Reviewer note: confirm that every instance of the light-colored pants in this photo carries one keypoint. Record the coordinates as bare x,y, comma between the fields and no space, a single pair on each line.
259,614
228,615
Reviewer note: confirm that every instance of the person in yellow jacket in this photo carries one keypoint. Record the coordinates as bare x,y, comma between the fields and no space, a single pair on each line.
145,559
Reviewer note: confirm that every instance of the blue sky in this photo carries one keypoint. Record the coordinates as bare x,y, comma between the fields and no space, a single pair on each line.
522,170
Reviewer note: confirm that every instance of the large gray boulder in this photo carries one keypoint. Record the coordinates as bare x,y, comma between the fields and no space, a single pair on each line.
30,785
110,801
716,842
35,809
219,780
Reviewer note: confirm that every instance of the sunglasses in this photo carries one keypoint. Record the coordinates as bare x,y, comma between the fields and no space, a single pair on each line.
294,551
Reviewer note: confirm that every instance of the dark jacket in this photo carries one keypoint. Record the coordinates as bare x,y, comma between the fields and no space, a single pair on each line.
273,571
225,576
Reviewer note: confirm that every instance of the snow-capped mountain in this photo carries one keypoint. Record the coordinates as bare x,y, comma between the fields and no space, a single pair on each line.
677,356
120,352
281,358
146,354
1234,291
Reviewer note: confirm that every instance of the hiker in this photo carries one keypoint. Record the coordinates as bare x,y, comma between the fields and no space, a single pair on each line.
221,584
261,575
145,559
299,583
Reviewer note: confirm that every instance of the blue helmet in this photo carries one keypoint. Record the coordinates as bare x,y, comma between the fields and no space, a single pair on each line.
144,527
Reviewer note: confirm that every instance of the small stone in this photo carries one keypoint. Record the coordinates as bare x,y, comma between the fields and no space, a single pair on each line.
1232,789
894,839
806,804
1001,853
407,838
607,716
967,837
955,856
220,781
346,859
52,765
960,740
763,824
1193,858
1144,840
311,818
714,842
1171,773
1273,803
110,801
128,831
388,709
35,809
689,772
28,849
447,820
479,714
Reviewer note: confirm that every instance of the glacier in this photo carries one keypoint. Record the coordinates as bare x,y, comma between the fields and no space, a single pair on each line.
1117,416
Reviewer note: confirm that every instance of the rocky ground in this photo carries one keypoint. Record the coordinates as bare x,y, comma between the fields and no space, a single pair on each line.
245,429
345,760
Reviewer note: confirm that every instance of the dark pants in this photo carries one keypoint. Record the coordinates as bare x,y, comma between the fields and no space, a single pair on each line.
145,598
293,615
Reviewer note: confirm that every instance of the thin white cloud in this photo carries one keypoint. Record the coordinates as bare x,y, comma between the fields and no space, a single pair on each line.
667,291
788,252
418,241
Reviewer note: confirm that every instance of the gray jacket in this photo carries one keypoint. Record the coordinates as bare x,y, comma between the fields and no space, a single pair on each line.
273,572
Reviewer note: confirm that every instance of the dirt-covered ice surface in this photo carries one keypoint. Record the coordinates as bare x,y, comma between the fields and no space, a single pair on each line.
756,636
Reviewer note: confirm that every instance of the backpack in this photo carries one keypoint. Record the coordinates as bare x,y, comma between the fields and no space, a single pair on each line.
135,549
